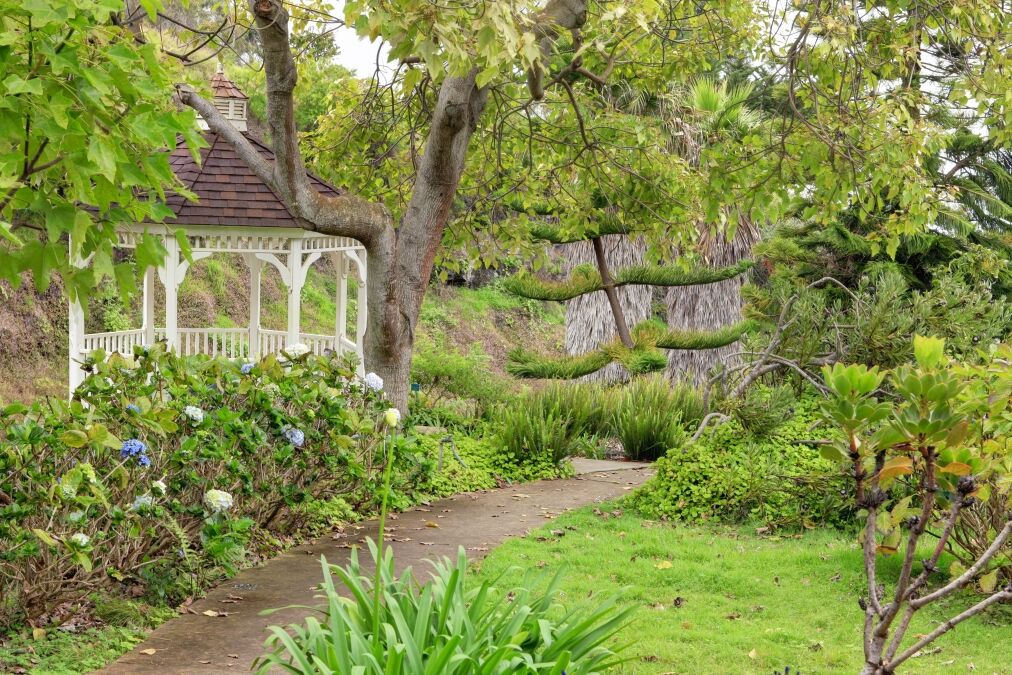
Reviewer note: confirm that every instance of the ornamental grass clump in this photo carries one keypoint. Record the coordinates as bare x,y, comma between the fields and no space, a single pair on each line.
449,625
162,468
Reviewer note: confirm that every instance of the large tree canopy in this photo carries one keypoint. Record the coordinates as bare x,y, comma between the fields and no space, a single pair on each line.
493,106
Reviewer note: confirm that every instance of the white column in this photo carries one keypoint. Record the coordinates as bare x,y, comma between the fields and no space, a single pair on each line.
76,334
294,292
255,269
148,311
341,326
362,310
170,277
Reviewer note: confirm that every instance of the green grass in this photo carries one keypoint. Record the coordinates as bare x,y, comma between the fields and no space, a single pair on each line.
733,602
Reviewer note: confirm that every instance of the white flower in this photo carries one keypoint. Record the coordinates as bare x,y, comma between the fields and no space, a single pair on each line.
217,500
296,350
80,539
141,501
392,417
374,382
194,413
75,516
159,487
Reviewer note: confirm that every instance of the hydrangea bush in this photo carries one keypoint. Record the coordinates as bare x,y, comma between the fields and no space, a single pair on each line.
161,461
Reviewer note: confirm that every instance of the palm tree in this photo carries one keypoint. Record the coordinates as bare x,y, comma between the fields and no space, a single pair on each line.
704,113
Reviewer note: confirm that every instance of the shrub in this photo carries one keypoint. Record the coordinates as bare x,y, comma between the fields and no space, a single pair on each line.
484,465
551,424
731,475
443,374
935,436
649,416
762,409
449,625
164,467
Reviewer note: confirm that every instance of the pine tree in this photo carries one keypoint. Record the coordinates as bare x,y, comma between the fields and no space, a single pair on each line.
640,348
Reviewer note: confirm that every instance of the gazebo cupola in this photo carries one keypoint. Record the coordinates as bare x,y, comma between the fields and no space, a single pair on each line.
230,101
235,213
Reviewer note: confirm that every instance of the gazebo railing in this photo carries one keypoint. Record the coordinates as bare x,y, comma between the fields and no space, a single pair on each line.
231,343
273,341
122,341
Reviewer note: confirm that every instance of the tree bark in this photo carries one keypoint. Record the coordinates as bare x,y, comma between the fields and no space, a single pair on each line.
709,306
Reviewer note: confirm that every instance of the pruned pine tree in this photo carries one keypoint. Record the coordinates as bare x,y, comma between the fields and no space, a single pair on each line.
589,322
639,348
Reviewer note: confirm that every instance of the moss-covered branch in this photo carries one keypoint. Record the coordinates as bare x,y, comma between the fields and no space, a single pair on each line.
585,279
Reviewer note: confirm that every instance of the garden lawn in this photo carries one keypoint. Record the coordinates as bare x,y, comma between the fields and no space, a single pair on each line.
721,600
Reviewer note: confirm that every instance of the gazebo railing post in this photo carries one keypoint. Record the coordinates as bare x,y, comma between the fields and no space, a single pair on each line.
75,342
148,310
341,325
295,275
255,269
170,274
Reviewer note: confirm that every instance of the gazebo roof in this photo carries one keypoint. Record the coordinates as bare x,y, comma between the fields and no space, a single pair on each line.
228,191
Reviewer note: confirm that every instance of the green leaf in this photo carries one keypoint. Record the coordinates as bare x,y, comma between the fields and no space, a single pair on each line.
928,351
44,537
17,85
74,438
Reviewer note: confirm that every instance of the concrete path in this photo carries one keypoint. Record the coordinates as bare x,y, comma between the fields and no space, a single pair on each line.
204,641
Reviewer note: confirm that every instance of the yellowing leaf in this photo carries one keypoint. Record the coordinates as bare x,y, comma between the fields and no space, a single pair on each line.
663,565
989,581
956,468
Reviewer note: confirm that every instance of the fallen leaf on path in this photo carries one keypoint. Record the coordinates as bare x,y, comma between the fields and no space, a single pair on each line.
147,652
430,523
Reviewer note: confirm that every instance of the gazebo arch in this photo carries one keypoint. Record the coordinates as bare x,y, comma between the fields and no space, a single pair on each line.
235,212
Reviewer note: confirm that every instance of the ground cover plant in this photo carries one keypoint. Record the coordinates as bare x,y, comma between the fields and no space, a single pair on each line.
723,599
776,477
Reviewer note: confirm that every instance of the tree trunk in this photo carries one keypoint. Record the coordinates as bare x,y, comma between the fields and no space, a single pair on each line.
709,306
401,260
589,321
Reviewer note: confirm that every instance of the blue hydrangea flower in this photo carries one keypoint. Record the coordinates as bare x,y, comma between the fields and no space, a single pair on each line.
133,408
246,368
295,436
135,449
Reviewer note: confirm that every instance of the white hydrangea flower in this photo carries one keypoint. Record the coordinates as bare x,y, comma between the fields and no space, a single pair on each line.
195,414
392,417
80,539
217,500
141,501
159,487
374,382
296,350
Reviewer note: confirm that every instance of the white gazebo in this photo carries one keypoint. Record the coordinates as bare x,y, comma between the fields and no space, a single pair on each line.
238,213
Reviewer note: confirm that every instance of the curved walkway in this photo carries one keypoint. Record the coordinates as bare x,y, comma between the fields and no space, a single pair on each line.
224,632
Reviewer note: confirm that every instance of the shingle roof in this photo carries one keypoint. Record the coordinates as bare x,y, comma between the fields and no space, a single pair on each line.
228,191
224,87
